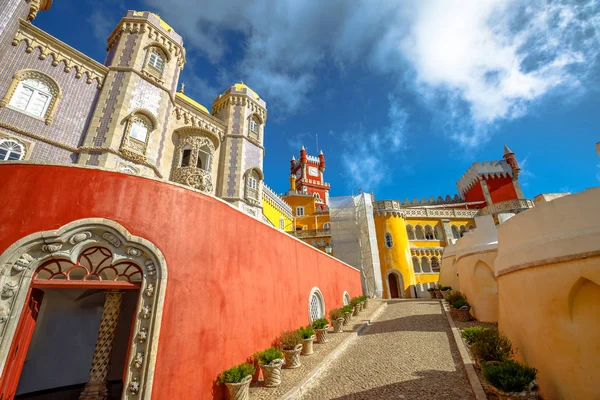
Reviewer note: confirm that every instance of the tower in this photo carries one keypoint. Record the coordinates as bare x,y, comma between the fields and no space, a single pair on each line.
129,124
308,171
511,159
242,149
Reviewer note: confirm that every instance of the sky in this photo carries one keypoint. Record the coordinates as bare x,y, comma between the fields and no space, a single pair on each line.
402,96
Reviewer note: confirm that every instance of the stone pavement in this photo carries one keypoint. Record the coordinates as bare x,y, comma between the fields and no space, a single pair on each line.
407,353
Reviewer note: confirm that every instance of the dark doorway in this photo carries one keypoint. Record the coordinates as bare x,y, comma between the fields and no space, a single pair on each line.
393,285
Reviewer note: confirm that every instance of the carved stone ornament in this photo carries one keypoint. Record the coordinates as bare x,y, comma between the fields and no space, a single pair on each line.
10,289
4,314
150,268
52,247
112,239
23,263
149,290
146,312
132,251
80,237
134,386
142,335
138,361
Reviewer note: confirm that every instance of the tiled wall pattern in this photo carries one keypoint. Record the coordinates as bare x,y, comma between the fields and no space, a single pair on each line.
165,132
10,12
253,156
145,96
234,159
73,112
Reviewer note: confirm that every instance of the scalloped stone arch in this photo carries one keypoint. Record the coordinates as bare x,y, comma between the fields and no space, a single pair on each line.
192,131
20,261
163,49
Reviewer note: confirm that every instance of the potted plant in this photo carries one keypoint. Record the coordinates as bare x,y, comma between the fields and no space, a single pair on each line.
431,291
291,344
445,291
366,300
347,310
308,336
337,319
452,298
321,326
237,379
510,380
438,293
354,303
270,362
362,302
462,308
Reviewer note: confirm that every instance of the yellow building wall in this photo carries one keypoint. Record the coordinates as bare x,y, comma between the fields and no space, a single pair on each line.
398,257
478,284
309,221
274,216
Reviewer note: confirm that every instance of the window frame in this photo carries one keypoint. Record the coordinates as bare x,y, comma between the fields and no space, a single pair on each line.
9,151
299,214
30,74
388,240
315,293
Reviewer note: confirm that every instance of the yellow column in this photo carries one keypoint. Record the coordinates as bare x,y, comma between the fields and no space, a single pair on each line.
397,257
95,388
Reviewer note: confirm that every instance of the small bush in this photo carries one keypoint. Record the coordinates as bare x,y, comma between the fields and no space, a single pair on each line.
472,334
267,356
445,288
454,296
320,323
336,313
306,332
237,373
431,289
354,301
290,339
363,298
460,303
347,308
509,375
491,345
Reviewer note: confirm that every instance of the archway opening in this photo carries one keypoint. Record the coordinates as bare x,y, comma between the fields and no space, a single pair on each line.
394,286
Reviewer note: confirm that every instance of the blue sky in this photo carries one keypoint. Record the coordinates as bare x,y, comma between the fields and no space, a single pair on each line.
404,95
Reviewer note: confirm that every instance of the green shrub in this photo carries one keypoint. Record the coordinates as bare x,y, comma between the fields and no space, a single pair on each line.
336,313
460,303
306,332
320,323
354,301
509,375
290,339
363,298
491,345
472,334
347,308
267,356
445,288
454,296
237,373
431,289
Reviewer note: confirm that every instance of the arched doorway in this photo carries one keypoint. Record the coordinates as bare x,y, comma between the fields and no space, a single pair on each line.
121,278
395,285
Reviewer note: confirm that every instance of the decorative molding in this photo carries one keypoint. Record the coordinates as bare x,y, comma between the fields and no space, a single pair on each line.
28,254
244,100
49,45
483,170
510,206
35,6
191,175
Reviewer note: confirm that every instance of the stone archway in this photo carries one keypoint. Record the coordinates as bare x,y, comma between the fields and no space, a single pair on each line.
395,285
21,261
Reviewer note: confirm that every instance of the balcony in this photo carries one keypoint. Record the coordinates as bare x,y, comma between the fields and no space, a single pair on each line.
311,233
510,206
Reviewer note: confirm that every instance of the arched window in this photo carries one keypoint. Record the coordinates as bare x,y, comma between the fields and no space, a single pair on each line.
11,150
425,265
435,264
138,126
253,127
463,230
346,298
252,180
410,232
419,232
156,60
416,265
428,232
186,154
326,225
455,233
316,305
33,93
388,240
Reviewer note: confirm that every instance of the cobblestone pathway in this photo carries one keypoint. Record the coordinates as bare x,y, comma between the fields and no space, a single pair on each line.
407,353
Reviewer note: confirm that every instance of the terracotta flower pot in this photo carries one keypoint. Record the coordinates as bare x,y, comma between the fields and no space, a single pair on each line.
307,346
338,325
347,318
362,305
463,314
366,303
445,293
272,373
322,334
432,294
240,390
438,295
292,357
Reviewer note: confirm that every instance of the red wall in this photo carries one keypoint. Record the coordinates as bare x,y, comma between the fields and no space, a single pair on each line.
233,285
501,189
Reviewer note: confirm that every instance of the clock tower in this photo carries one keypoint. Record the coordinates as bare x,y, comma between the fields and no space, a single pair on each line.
308,173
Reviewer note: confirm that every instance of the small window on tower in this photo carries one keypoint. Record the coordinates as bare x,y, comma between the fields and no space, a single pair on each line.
388,240
156,61
185,157
299,211
253,128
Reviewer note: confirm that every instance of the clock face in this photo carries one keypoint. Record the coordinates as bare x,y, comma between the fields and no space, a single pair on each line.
313,171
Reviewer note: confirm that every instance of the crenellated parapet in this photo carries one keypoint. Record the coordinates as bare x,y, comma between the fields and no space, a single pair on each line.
254,104
60,53
396,208
388,207
483,170
276,201
433,201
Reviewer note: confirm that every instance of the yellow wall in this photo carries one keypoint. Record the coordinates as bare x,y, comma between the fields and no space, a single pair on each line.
448,271
398,257
274,215
309,221
477,282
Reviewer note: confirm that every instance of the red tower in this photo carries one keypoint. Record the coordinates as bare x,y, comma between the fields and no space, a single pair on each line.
308,171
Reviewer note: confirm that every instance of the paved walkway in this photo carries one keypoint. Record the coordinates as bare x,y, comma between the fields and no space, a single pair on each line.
407,353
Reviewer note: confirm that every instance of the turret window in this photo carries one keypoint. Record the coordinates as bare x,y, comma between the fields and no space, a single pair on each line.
299,211
156,61
388,240
253,128
186,154
252,183
139,131
138,127
11,150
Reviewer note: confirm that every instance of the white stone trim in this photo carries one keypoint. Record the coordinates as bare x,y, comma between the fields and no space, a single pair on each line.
345,296
317,291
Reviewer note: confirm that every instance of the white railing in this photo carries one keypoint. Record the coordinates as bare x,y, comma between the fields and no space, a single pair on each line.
395,206
510,206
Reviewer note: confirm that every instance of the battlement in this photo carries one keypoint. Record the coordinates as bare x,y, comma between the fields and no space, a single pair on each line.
276,201
433,201
241,88
486,169
313,159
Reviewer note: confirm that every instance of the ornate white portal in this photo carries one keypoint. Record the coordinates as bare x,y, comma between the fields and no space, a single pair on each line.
66,247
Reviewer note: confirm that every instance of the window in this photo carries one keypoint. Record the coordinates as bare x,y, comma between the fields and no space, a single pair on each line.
137,134
455,232
32,96
416,265
139,131
435,264
156,61
346,298
185,157
316,306
425,265
428,232
410,232
253,128
281,223
203,161
11,150
299,211
420,234
439,235
326,225
388,240
252,183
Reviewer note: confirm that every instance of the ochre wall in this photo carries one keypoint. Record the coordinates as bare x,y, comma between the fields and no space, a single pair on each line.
274,215
398,257
234,283
448,271
477,282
